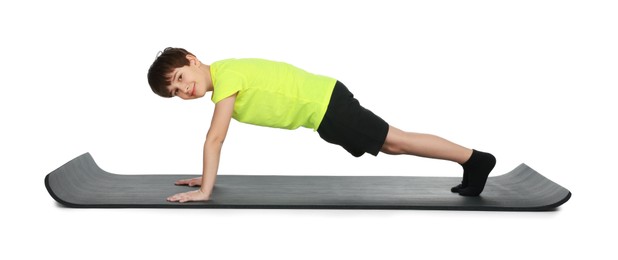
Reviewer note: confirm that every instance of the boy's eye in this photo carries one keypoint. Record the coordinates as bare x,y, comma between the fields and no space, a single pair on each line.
180,78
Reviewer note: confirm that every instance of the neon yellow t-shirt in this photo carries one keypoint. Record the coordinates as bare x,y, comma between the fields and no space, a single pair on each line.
270,93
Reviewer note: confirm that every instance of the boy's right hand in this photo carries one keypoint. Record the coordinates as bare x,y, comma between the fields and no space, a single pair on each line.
190,182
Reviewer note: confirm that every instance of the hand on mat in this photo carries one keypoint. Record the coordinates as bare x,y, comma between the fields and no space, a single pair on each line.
190,182
196,195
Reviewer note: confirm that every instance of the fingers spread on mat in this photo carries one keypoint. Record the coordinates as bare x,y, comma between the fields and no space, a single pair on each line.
196,195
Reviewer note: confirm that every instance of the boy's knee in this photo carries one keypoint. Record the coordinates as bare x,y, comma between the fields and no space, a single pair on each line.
393,144
390,147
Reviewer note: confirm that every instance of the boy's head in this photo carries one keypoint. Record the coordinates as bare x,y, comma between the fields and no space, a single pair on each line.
159,73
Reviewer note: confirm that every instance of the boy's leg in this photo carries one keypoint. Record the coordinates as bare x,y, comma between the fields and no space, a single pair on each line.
425,145
477,165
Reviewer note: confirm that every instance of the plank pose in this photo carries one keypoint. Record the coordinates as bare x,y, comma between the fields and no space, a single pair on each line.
277,94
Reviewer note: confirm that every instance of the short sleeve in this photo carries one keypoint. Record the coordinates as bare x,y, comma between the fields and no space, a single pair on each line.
225,84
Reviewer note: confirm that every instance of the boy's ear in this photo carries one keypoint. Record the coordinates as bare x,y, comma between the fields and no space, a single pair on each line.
192,59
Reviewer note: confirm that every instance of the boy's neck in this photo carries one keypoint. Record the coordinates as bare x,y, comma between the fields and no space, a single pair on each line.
206,69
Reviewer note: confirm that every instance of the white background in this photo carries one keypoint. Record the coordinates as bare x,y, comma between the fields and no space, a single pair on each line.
529,81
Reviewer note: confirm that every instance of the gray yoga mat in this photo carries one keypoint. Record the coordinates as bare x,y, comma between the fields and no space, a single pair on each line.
81,183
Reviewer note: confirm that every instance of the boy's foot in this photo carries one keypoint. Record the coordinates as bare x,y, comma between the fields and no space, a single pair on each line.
457,188
463,184
478,168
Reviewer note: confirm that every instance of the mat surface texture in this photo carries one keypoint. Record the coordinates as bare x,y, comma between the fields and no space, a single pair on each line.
81,183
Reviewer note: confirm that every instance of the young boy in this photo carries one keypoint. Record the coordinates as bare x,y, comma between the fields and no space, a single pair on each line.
277,94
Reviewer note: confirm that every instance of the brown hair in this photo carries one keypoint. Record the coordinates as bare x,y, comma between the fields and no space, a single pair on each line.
166,62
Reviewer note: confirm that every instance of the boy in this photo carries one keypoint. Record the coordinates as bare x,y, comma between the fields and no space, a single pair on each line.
277,94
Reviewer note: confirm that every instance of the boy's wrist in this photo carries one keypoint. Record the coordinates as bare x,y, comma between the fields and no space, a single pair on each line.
204,191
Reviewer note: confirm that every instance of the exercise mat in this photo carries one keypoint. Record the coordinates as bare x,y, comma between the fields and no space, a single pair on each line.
80,183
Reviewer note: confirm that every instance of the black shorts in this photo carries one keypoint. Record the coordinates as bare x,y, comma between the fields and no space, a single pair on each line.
348,124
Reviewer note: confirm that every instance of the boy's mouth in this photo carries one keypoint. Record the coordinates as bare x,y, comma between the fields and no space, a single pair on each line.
193,91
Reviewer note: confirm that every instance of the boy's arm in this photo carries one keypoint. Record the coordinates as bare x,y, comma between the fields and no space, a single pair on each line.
212,150
214,142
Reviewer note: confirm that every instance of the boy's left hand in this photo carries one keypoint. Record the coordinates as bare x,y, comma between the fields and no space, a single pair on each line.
196,195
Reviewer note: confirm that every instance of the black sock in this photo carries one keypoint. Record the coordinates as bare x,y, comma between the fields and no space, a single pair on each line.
477,168
463,184
464,181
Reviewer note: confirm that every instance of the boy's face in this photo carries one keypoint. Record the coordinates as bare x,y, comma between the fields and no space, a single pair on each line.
188,82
